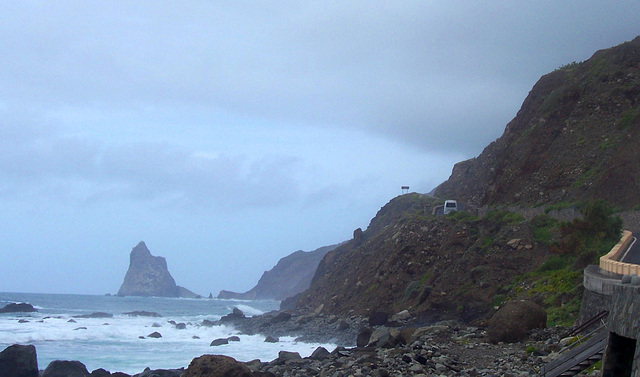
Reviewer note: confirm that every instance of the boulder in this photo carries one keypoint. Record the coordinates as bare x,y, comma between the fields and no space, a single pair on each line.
64,368
382,337
233,338
401,316
22,307
271,339
362,339
216,366
281,317
219,342
513,320
320,353
155,334
378,319
284,356
19,361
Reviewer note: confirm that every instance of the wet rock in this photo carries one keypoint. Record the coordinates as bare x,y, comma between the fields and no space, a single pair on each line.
216,366
19,361
95,315
22,307
236,314
142,314
64,368
155,334
219,342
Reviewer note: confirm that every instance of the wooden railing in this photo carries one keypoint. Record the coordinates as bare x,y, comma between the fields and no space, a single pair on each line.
610,262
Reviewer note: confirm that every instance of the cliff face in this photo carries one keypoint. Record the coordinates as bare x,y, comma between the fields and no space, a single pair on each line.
574,138
290,276
148,275
440,267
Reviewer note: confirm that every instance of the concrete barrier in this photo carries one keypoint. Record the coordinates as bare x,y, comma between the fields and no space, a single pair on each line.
610,261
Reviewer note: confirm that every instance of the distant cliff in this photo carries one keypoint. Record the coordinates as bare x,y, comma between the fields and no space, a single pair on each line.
290,276
575,138
148,276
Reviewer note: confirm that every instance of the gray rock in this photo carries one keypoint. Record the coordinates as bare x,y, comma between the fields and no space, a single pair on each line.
284,356
216,366
22,307
64,368
219,342
19,361
155,334
147,275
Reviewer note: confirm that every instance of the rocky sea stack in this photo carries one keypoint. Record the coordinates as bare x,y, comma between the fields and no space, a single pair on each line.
148,276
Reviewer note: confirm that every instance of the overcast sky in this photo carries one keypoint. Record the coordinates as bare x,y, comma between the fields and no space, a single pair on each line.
227,135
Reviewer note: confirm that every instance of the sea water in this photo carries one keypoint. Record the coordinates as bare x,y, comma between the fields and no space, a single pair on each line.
121,343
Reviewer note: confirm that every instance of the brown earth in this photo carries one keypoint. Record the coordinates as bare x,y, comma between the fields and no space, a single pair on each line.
437,267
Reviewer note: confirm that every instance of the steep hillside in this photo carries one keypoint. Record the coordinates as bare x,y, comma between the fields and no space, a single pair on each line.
290,276
576,137
451,266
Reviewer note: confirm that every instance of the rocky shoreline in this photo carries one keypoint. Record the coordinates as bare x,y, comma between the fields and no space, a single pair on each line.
371,346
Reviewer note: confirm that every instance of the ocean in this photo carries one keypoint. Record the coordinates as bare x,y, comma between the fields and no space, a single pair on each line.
115,344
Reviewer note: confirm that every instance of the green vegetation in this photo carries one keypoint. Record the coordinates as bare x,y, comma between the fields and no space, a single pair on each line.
543,226
557,283
504,217
629,118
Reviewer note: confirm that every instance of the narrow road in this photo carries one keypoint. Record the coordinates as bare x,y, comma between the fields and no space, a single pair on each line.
633,253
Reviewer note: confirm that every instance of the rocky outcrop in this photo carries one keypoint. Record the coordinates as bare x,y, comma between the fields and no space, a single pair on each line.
19,361
574,139
148,276
290,276
22,307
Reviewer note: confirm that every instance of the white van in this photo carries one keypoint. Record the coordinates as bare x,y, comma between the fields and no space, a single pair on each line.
450,206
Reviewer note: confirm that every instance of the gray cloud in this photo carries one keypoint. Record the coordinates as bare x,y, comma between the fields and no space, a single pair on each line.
251,128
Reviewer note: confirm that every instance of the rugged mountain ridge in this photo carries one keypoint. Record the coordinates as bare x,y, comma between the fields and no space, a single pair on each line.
290,276
574,138
148,276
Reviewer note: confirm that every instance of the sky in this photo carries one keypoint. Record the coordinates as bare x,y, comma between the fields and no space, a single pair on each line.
227,135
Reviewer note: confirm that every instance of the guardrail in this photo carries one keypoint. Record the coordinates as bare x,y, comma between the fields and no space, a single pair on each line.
610,263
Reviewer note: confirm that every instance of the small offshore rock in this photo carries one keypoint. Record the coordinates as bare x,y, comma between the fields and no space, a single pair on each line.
142,314
95,315
219,342
22,307
271,339
155,334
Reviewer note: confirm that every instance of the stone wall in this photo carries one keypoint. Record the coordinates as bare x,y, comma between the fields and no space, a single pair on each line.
624,327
